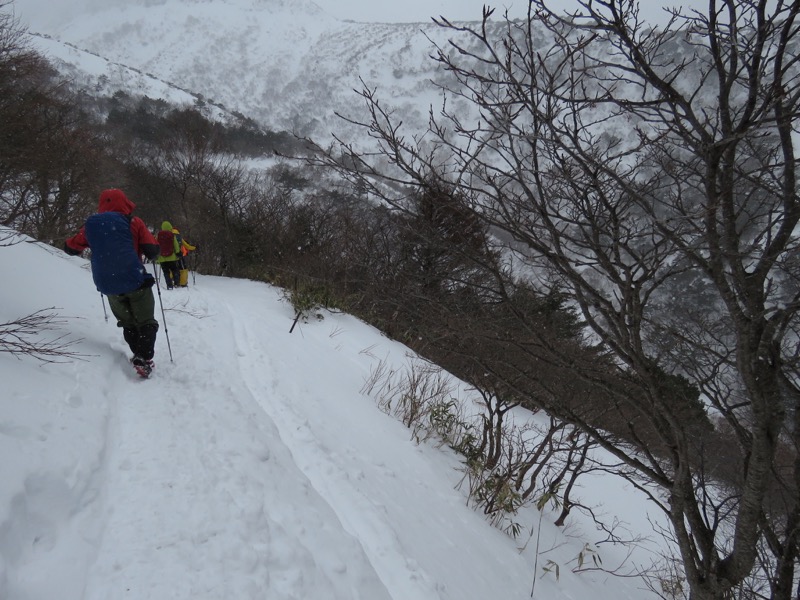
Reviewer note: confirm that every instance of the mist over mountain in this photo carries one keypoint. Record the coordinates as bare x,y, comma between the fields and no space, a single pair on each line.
285,63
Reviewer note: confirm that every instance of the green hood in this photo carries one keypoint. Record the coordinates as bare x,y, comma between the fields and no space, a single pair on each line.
166,226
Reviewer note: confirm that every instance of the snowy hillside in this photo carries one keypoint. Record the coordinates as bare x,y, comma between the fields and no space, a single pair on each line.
285,63
250,467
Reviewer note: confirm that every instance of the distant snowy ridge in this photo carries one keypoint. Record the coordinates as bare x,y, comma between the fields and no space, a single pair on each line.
88,70
285,63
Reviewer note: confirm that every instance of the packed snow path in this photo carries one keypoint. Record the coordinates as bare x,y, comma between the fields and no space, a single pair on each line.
248,501
231,513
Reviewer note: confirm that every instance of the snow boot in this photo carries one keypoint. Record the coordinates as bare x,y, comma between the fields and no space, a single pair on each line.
143,366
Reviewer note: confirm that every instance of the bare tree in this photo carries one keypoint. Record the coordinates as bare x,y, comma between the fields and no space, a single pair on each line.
48,154
649,174
23,337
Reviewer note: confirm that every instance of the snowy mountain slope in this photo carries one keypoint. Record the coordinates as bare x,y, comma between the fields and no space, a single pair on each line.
286,64
250,467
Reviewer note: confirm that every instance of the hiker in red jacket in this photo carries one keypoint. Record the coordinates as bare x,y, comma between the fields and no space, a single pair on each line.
118,240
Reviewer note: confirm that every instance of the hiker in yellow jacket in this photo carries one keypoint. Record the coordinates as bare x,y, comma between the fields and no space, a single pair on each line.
169,253
185,248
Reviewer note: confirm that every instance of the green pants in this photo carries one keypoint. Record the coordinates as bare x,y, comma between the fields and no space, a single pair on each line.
134,309
134,312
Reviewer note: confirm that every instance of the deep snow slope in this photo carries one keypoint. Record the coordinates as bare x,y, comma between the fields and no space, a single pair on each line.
285,63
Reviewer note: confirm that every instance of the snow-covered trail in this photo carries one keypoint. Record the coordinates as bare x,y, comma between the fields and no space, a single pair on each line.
193,458
251,467
353,461
203,466
351,453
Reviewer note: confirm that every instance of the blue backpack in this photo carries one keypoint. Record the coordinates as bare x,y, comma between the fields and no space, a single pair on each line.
116,268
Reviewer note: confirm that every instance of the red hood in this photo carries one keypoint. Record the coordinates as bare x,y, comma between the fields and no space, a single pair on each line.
116,201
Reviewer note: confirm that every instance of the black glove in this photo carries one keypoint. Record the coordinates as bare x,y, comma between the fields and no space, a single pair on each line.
71,251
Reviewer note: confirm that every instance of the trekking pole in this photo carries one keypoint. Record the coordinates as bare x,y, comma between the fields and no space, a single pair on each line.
163,314
105,312
194,270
